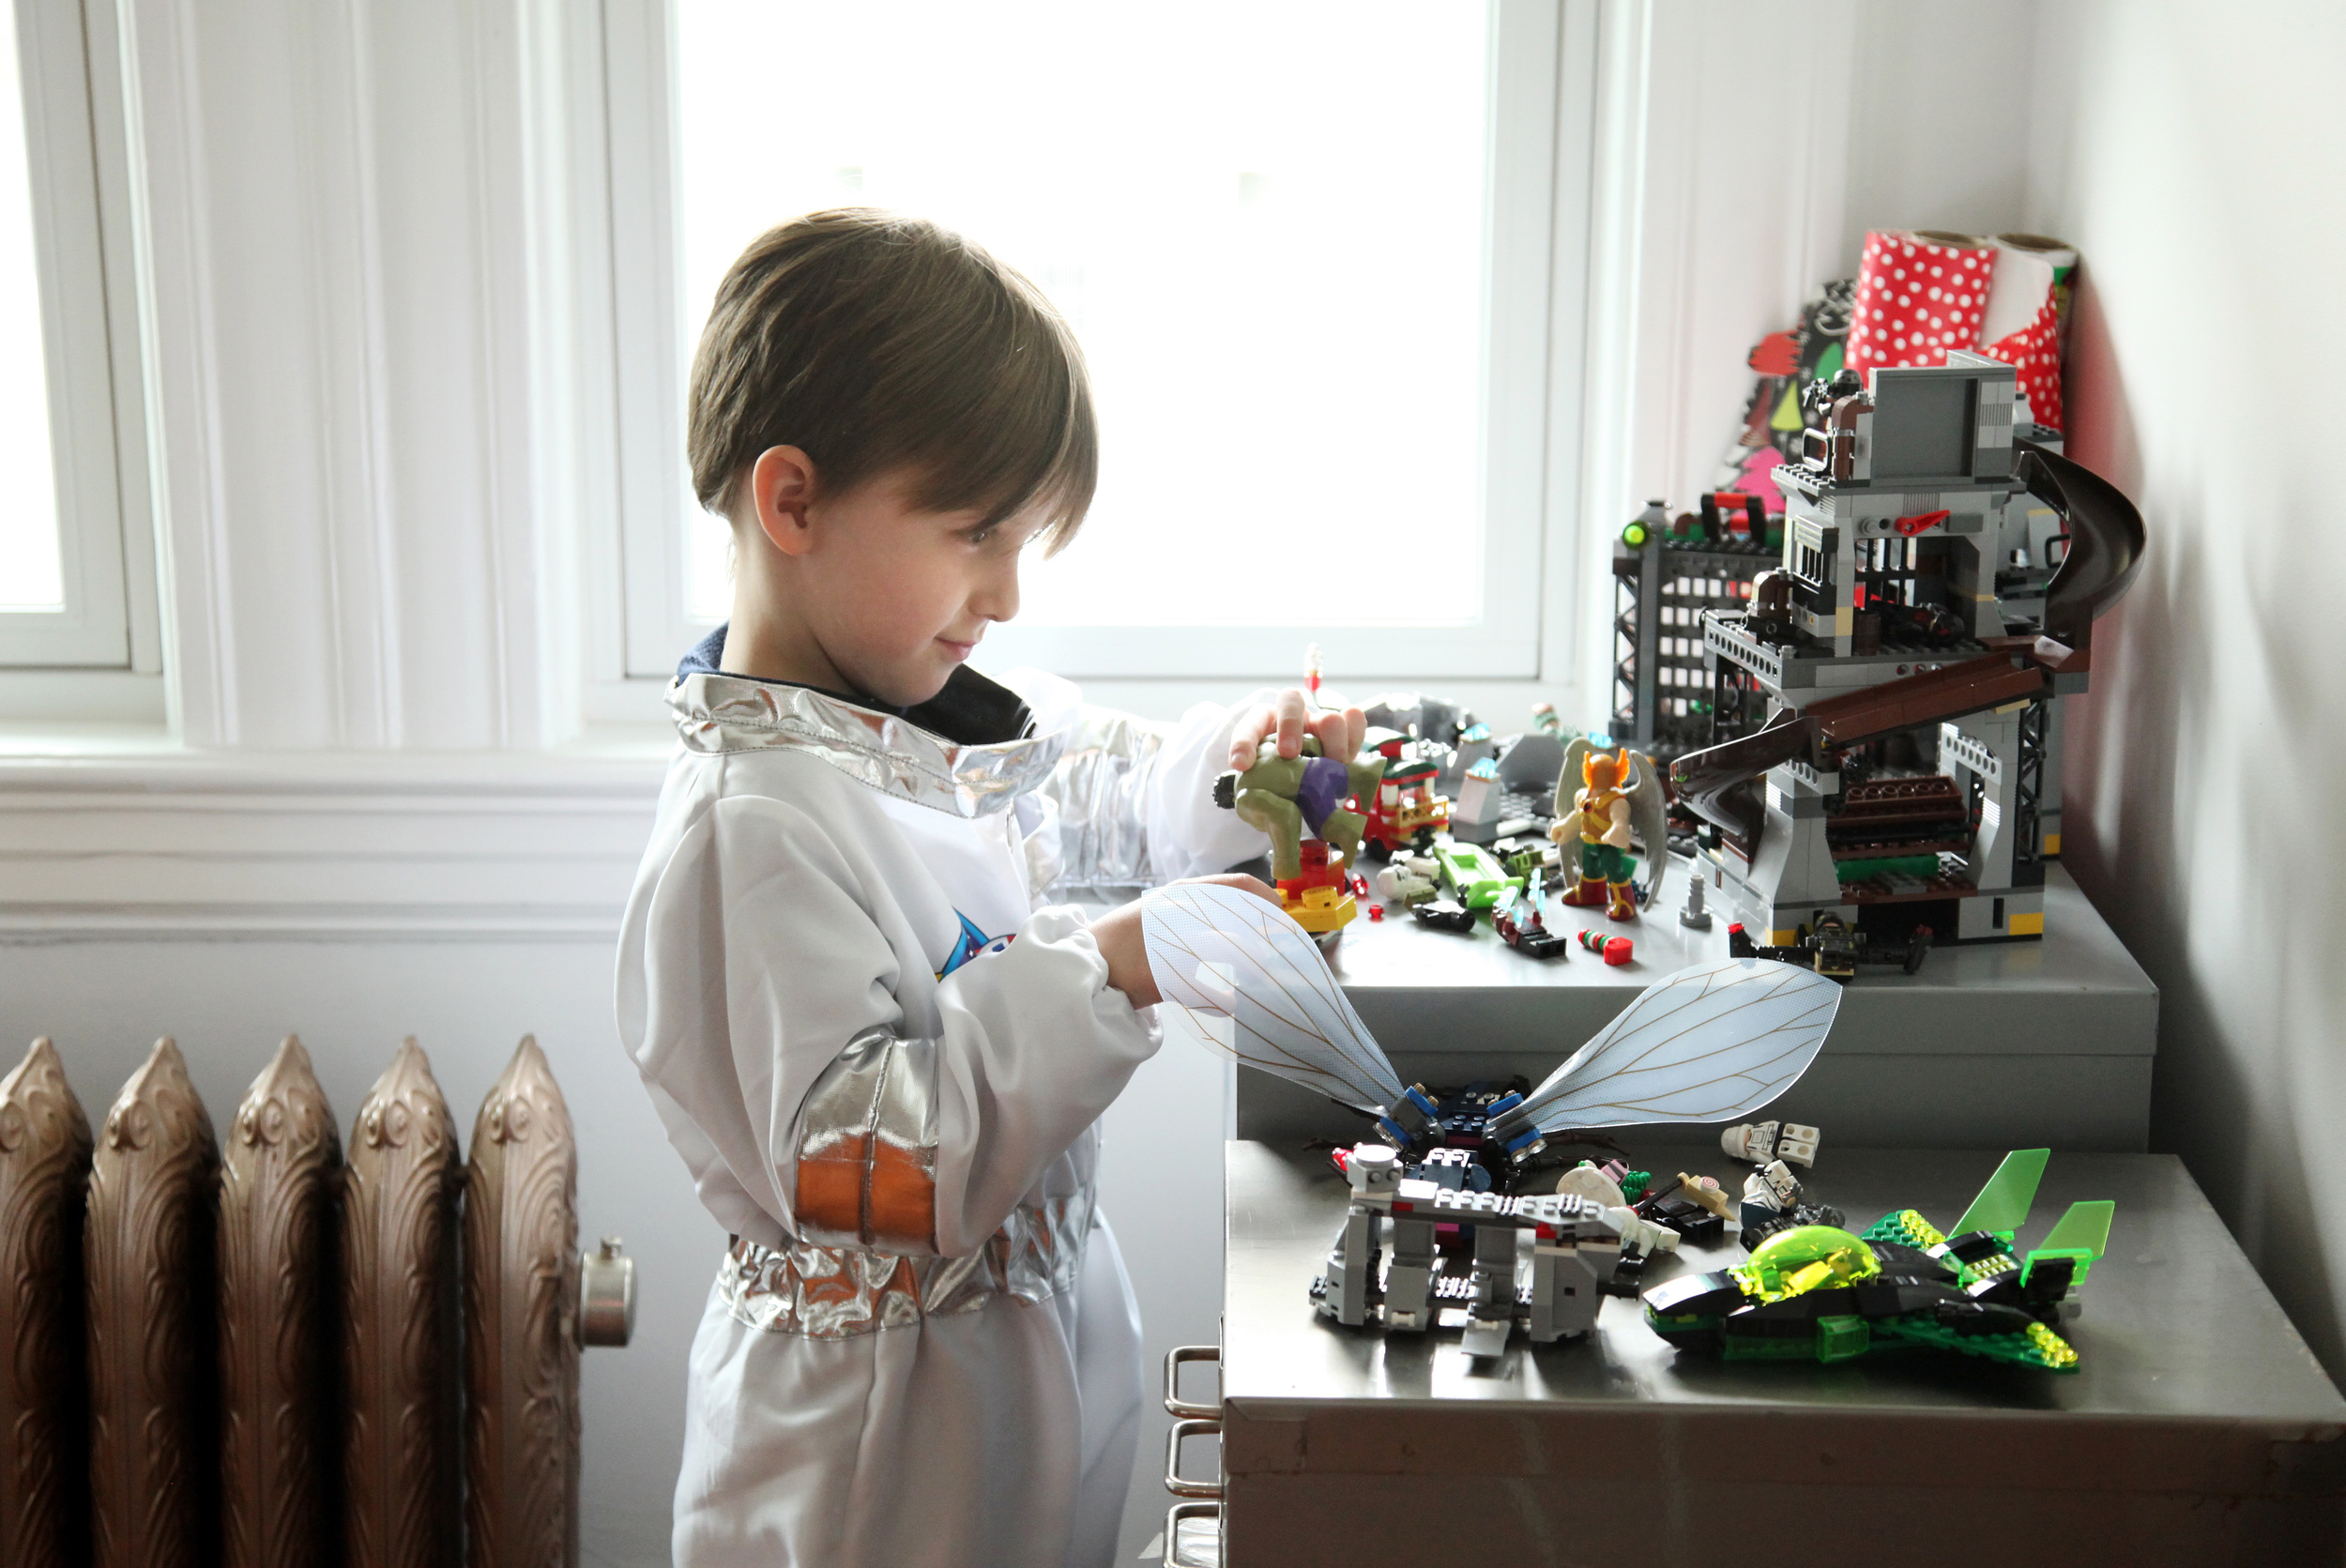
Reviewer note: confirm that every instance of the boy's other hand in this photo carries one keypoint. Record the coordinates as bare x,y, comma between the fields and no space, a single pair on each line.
1118,936
1291,716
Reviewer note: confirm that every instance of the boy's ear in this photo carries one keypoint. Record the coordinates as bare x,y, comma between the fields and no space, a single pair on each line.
782,484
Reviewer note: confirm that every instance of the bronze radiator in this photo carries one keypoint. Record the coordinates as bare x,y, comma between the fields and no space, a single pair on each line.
275,1353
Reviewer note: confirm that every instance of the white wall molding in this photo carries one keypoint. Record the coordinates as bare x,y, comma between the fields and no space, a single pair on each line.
330,848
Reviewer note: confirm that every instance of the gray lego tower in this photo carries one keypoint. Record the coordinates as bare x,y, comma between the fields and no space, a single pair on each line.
1913,653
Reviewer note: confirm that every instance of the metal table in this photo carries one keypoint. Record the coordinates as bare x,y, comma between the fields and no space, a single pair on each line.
2200,1429
2008,1044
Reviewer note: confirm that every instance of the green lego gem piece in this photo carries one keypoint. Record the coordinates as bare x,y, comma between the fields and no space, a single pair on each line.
2003,1205
1634,536
1840,1339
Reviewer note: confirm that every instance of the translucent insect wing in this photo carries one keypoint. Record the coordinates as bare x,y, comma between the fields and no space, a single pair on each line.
1224,954
1707,1043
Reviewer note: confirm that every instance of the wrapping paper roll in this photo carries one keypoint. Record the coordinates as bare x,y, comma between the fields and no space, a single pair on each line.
1920,293
2062,257
2022,326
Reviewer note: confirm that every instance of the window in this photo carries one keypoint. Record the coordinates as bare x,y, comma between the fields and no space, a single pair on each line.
1306,249
66,594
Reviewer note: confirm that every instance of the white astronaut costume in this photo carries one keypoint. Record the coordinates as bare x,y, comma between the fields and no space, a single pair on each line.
883,1063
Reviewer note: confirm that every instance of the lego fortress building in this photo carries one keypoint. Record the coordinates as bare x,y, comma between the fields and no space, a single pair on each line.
1912,651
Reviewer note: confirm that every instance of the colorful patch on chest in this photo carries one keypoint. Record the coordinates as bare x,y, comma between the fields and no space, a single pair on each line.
972,943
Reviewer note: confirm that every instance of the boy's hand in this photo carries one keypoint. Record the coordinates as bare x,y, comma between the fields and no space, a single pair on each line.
1291,716
1118,936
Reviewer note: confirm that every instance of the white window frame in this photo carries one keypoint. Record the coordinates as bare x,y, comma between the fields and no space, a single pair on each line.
1531,229
75,144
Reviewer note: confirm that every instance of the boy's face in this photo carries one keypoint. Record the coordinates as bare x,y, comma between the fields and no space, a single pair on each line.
898,596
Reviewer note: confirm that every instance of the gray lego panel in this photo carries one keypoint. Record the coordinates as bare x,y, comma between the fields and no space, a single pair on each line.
2049,1040
2197,1429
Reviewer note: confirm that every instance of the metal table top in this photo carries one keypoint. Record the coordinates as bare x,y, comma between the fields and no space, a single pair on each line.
2175,1321
2198,1430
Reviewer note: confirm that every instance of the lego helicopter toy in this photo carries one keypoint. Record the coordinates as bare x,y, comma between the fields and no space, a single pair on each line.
1706,1043
1818,1292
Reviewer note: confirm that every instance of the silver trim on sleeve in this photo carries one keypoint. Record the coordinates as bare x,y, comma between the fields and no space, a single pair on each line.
1100,787
867,1147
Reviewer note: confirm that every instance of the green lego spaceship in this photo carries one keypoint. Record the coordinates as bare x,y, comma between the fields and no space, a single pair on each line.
1819,1292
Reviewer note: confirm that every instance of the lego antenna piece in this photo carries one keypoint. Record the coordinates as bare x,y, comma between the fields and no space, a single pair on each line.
1707,1043
1265,995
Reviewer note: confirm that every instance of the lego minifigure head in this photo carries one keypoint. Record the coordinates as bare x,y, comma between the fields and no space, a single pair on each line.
1603,769
887,415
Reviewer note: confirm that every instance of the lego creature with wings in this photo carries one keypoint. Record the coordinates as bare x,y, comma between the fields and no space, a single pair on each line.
1705,1044
1458,1202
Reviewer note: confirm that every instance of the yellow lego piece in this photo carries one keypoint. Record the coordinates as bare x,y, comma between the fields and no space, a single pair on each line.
2052,844
1322,910
2028,925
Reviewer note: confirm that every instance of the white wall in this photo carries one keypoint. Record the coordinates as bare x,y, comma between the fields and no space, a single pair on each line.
1939,118
2196,158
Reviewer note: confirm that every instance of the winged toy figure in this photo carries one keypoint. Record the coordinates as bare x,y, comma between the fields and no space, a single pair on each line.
1707,1043
1621,793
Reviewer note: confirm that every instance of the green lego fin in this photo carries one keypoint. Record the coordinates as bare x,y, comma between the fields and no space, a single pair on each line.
2084,1228
2002,1203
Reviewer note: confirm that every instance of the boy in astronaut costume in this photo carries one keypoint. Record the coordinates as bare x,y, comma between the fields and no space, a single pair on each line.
881,1054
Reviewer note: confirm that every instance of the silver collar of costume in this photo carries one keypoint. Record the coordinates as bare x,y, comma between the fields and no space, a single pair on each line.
718,714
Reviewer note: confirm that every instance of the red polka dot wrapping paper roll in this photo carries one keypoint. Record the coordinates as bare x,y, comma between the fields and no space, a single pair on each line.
1920,293
2022,326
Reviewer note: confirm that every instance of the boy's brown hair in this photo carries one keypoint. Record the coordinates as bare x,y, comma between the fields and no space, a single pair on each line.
876,343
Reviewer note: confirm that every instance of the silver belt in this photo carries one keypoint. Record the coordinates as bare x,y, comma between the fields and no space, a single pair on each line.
818,1292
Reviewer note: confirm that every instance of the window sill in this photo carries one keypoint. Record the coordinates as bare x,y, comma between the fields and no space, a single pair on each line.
81,698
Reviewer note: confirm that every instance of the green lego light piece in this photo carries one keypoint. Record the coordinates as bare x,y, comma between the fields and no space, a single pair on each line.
2003,1205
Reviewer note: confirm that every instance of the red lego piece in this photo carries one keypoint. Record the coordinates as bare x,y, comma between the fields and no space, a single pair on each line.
1615,950
1375,912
